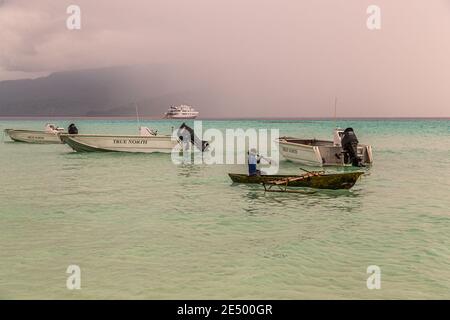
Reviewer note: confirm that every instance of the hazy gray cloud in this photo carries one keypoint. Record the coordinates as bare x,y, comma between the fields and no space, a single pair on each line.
285,57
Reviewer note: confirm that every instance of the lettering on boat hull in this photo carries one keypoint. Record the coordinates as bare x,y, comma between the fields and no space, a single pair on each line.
130,141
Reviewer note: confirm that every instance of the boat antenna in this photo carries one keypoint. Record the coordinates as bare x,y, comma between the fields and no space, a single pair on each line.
335,111
137,115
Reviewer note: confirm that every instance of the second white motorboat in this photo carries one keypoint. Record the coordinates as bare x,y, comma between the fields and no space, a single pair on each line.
344,150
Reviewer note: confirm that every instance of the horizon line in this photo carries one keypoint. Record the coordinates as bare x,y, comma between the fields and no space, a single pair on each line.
221,118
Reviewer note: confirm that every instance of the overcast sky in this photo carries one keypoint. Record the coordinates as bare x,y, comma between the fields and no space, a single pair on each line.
290,56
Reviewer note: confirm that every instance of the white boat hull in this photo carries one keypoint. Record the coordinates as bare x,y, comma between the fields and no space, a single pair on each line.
304,154
134,144
319,152
31,136
181,117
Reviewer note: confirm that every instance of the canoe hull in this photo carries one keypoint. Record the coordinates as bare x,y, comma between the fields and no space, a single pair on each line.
31,136
109,143
332,181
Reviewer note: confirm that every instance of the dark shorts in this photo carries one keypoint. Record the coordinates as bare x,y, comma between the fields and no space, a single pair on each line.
252,171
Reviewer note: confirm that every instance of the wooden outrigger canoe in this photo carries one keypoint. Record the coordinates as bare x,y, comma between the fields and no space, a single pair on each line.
318,180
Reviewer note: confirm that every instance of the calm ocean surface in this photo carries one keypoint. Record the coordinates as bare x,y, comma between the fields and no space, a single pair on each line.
141,227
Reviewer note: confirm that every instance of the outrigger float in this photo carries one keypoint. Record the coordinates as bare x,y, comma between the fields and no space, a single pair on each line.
310,179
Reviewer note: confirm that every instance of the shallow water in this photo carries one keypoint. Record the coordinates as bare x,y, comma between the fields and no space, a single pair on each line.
142,227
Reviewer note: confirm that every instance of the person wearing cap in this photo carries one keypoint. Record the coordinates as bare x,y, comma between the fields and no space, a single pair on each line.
253,160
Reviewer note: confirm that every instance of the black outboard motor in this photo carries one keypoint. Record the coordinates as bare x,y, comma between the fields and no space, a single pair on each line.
185,132
350,145
72,129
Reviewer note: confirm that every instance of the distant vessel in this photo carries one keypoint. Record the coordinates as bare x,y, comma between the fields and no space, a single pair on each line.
50,134
181,112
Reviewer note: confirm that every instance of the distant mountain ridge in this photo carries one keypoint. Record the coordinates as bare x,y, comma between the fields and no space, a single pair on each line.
101,92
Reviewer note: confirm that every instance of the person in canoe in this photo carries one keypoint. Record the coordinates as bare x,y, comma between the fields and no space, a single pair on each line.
253,160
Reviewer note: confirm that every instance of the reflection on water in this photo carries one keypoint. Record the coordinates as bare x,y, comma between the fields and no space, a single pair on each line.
258,200
189,170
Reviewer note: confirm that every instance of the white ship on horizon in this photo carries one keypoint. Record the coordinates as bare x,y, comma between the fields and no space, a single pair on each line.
181,112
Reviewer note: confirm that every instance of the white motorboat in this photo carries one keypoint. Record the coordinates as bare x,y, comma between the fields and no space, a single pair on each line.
50,135
325,153
148,141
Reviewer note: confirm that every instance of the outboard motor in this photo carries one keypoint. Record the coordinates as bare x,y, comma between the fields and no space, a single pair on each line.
187,133
350,146
72,129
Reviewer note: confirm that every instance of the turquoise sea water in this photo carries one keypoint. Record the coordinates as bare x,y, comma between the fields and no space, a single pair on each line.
141,227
